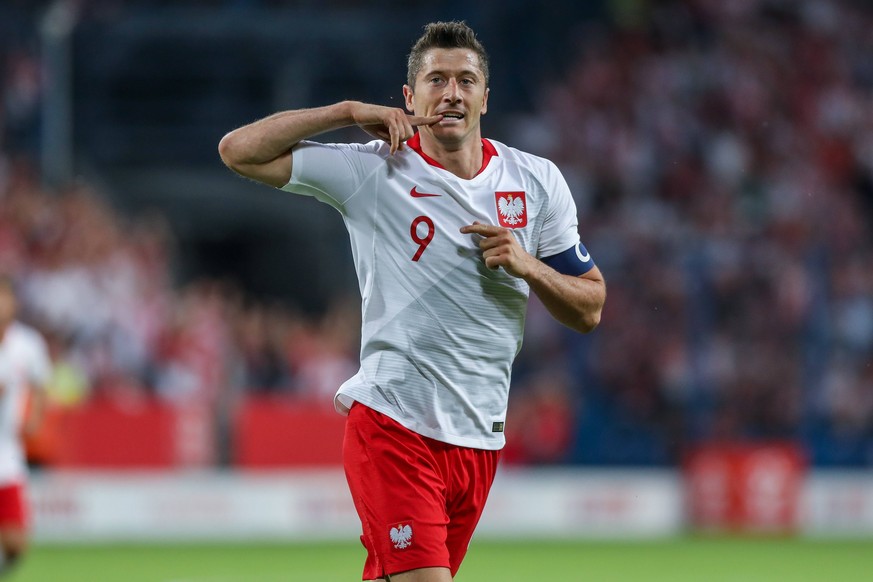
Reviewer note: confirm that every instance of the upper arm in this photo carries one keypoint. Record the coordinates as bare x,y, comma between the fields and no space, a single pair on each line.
593,274
574,261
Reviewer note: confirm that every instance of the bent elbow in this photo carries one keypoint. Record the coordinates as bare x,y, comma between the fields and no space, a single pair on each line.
588,322
588,318
590,314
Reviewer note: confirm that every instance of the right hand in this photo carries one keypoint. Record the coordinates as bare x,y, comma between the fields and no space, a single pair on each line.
390,124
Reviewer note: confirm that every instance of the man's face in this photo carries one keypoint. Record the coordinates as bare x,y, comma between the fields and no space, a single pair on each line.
450,83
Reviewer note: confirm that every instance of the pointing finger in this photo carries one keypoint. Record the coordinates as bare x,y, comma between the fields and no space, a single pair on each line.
417,120
483,229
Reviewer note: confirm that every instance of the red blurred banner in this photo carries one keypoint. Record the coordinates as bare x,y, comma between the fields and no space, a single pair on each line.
105,434
277,432
265,433
745,487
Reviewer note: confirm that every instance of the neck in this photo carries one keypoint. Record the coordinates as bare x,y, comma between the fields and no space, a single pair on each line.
463,159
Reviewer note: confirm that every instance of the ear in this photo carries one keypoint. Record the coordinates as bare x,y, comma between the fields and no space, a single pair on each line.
485,102
408,97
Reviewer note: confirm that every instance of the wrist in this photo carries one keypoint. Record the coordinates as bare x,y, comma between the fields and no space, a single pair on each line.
530,269
347,111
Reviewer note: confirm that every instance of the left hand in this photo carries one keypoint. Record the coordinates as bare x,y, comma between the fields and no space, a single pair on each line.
501,249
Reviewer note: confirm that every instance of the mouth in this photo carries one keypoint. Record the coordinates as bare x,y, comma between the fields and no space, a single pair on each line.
452,116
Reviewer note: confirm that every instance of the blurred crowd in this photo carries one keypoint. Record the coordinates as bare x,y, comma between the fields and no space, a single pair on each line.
99,285
721,155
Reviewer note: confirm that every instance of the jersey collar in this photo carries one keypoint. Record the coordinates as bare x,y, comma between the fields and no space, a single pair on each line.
488,152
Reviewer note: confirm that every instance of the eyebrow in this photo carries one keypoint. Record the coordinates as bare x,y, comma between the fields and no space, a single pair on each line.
463,73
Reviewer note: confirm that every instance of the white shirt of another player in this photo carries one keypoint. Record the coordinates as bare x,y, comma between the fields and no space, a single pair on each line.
440,329
24,365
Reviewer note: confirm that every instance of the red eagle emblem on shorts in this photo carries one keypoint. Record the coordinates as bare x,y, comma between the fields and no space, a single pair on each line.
511,209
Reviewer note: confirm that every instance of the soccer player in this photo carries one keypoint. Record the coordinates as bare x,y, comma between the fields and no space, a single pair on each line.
449,232
24,371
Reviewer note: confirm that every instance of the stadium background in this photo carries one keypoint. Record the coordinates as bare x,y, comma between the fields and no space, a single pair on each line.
721,157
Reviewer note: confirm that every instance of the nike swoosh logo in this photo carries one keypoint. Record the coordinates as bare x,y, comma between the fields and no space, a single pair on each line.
416,194
584,258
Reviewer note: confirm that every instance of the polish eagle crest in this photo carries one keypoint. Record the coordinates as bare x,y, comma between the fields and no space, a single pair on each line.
511,209
401,536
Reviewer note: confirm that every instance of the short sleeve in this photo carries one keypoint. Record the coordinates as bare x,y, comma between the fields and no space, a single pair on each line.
561,227
331,173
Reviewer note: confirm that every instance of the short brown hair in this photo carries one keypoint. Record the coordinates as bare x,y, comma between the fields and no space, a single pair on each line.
445,35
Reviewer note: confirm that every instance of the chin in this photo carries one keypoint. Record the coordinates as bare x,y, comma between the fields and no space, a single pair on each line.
457,133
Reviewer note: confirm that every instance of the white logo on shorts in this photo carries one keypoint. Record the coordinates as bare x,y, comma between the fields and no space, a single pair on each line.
401,536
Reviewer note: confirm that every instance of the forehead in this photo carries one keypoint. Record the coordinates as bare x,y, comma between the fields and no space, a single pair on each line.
451,60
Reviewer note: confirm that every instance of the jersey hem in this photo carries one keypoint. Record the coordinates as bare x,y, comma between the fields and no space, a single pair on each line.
343,403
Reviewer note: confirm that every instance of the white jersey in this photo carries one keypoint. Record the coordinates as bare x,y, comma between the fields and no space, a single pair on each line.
440,330
24,365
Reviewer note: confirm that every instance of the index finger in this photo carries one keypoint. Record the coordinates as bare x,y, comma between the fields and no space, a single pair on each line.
483,229
416,120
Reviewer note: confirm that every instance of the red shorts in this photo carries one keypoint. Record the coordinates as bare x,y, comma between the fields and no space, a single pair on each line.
419,499
13,508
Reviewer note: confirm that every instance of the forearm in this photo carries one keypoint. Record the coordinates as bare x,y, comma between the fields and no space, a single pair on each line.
576,302
267,139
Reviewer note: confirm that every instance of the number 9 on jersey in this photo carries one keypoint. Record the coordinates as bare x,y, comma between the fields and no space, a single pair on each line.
421,241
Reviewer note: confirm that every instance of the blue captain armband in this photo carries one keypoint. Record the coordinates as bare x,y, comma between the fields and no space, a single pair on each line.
574,261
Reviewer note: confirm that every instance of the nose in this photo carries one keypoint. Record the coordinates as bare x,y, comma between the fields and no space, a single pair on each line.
453,93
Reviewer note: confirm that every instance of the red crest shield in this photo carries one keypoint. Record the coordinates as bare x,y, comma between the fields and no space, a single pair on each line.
511,209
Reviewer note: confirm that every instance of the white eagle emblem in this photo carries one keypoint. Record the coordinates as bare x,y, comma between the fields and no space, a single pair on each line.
401,536
511,209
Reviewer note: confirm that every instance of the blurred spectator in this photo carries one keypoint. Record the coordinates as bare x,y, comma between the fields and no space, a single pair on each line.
68,386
